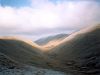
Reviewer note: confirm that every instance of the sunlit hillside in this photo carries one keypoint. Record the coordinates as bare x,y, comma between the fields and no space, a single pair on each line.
21,51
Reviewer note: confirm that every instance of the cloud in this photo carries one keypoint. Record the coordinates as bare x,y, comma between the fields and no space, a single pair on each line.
45,17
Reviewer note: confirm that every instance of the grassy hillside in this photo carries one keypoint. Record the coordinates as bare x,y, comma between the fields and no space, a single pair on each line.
79,53
21,57
22,52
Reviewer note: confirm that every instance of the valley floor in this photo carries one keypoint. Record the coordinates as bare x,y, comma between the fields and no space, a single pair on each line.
29,71
8,67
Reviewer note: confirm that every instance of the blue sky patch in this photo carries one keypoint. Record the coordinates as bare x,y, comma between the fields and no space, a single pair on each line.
15,3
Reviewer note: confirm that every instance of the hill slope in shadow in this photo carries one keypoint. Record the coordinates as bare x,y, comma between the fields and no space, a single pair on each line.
79,53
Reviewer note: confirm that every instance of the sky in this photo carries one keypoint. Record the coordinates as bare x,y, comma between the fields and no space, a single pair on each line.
37,18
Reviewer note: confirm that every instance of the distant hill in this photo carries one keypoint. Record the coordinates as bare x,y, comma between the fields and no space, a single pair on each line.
79,53
50,42
44,41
